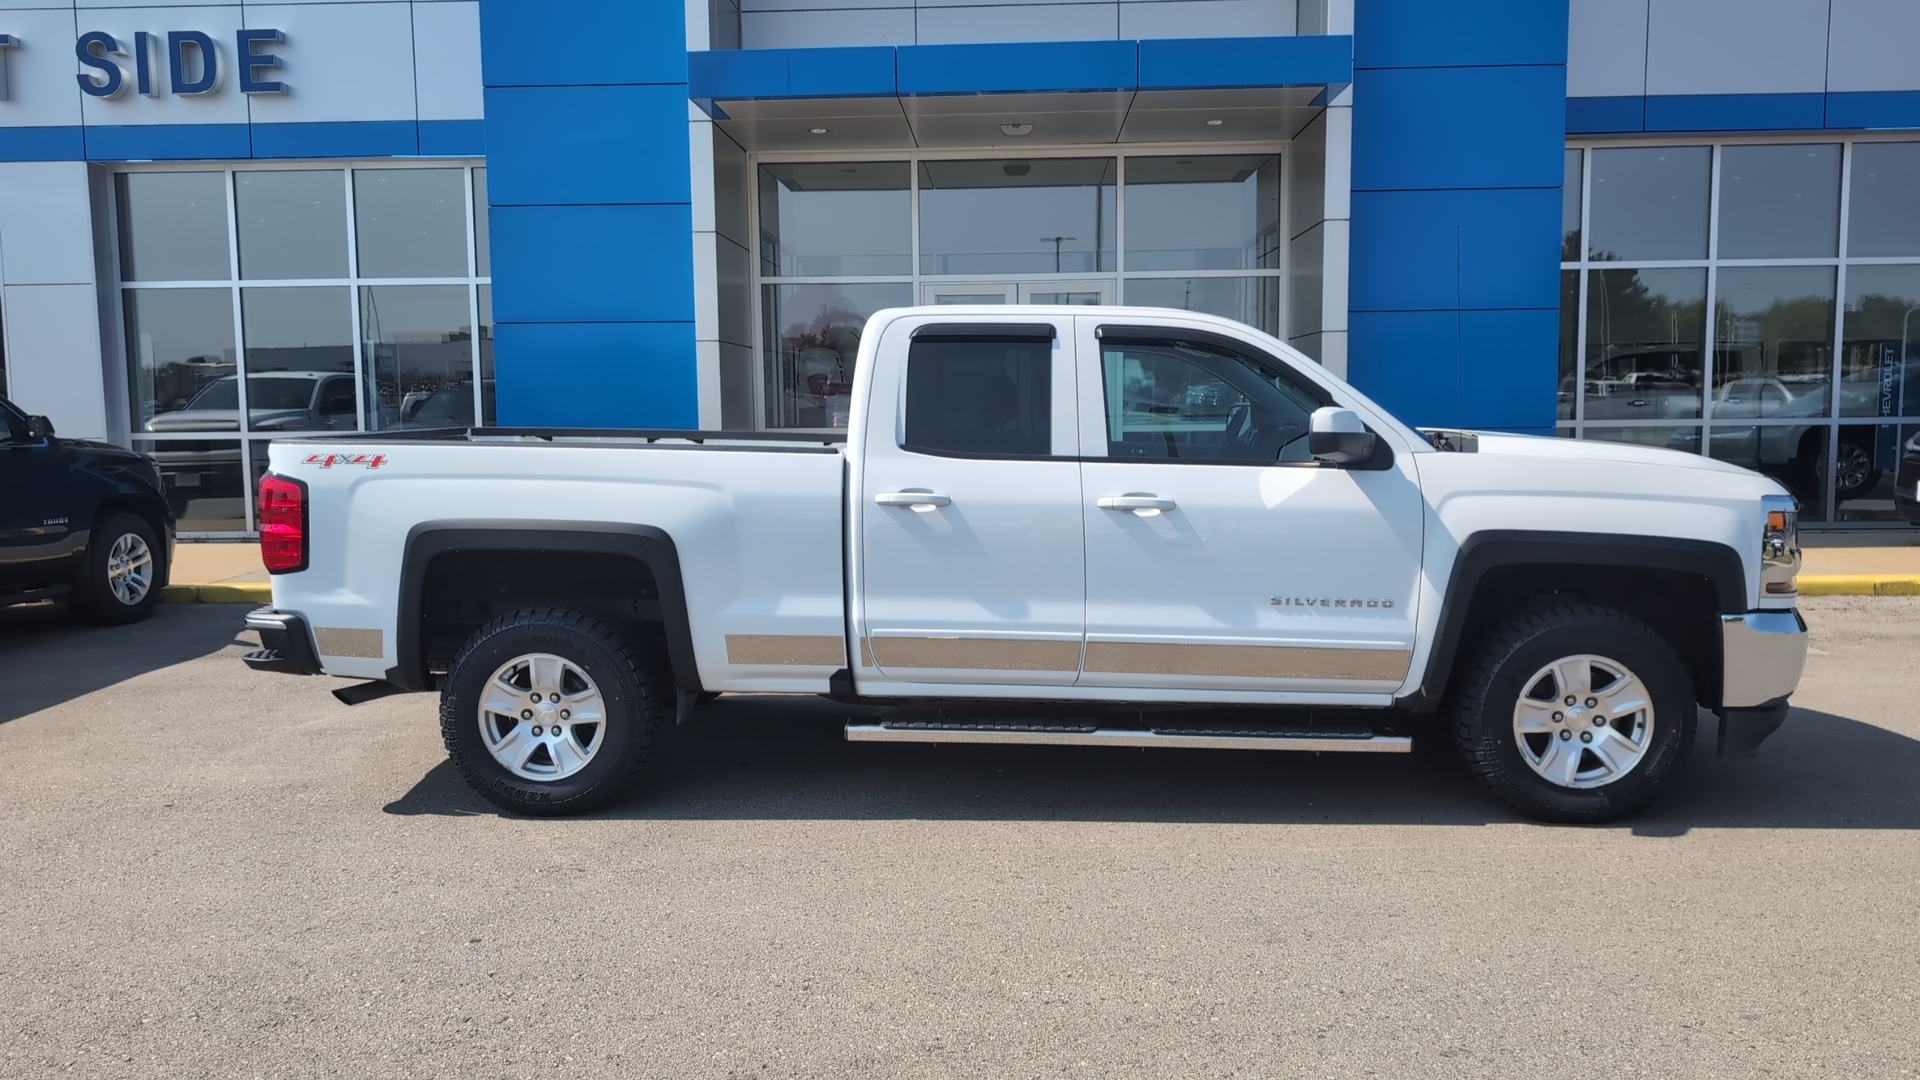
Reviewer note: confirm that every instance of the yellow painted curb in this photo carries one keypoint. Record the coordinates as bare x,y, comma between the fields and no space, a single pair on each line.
1859,585
249,592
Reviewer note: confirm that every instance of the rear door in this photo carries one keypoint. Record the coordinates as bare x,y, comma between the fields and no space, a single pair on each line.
967,508
1220,555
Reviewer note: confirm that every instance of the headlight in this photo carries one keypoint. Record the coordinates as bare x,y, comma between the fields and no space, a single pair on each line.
1780,546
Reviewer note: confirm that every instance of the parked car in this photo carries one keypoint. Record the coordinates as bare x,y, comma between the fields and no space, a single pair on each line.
1906,482
449,405
1059,525
1794,453
80,520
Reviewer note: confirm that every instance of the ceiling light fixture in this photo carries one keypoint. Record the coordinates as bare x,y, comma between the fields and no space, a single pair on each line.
1016,130
817,131
1215,123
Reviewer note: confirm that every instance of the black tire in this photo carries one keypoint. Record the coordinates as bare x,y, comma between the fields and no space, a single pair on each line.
635,693
95,598
1490,685
1854,457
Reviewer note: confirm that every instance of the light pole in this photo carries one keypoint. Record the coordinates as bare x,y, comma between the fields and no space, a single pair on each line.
1056,241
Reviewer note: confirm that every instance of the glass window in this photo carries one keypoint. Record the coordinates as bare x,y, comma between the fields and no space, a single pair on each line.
833,218
1880,356
1779,202
410,222
1203,212
179,341
1794,454
1649,203
1569,342
173,226
416,341
1017,216
1645,342
1178,400
974,395
293,224
487,414
1685,439
1773,326
1869,469
204,482
1251,300
1884,216
299,353
483,261
812,334
1570,209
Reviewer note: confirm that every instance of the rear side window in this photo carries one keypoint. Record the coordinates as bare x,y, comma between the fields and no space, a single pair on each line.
980,396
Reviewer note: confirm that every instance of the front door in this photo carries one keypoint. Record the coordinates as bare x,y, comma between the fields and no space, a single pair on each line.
972,563
1076,292
1220,554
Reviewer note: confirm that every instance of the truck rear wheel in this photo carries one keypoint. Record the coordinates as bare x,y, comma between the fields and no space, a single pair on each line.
548,711
1573,712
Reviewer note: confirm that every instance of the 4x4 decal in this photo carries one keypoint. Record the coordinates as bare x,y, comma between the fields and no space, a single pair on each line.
328,461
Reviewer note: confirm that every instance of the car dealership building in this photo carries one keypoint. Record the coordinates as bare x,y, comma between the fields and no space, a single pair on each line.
1683,223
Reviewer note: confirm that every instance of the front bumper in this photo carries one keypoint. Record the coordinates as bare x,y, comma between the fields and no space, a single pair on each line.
1762,656
286,644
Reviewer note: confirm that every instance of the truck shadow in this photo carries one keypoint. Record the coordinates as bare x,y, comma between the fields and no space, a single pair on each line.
47,656
785,759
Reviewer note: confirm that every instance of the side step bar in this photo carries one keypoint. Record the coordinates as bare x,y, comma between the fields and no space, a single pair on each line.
1324,743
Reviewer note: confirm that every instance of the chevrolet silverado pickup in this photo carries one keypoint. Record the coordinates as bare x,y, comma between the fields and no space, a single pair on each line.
1075,525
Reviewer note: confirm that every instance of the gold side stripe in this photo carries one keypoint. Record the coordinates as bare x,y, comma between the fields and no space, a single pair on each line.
1248,661
786,650
975,654
336,641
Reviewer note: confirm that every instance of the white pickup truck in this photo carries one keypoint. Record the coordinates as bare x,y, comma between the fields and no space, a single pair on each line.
1080,525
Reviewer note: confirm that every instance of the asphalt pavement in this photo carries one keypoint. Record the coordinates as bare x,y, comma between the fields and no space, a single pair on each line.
210,873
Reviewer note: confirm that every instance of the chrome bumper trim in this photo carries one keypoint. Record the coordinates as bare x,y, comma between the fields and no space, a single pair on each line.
1762,656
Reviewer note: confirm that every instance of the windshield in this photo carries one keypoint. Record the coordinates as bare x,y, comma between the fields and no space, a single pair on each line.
264,392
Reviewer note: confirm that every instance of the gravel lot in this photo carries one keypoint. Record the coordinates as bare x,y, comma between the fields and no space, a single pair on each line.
210,873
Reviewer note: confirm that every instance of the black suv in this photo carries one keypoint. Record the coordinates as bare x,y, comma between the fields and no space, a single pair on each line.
81,520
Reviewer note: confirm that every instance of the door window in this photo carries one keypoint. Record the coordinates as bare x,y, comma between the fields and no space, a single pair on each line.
1186,401
980,396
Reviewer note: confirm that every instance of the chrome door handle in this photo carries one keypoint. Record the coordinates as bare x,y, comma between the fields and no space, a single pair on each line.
922,501
1141,504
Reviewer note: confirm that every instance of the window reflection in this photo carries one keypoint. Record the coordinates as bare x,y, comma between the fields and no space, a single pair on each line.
1880,358
1645,339
1779,202
1203,212
410,222
1251,300
292,224
417,343
1569,343
812,334
203,481
179,341
1883,218
1889,475
1570,208
1794,454
835,218
1774,326
299,359
173,226
1017,216
1649,203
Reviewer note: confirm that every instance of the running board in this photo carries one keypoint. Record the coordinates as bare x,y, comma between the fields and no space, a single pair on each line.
1318,742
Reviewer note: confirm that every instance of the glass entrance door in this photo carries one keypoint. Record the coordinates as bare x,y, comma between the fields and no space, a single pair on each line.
1078,292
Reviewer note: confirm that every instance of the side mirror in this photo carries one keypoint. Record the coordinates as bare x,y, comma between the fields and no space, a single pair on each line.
39,427
1337,437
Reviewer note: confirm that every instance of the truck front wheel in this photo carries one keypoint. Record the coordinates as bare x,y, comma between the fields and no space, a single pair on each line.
549,712
1573,712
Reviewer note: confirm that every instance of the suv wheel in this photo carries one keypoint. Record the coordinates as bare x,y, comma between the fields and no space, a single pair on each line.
549,712
1853,471
121,573
1572,712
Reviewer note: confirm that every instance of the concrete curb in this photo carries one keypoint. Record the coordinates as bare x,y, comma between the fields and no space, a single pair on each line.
1859,585
255,592
245,592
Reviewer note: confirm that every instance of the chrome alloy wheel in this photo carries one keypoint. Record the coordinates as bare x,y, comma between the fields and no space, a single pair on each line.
541,717
1852,467
130,569
1583,721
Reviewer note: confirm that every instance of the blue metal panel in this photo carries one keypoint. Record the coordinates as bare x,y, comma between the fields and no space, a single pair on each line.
1878,109
573,145
1605,115
1409,362
1508,370
585,42
1463,33
369,138
64,143
591,263
741,74
1018,67
639,375
168,142
1736,112
1482,248
1205,63
1459,127
453,138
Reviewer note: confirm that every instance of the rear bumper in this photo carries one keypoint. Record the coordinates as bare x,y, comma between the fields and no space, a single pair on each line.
286,643
1763,654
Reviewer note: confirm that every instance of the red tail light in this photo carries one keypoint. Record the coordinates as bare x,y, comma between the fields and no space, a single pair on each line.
283,524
